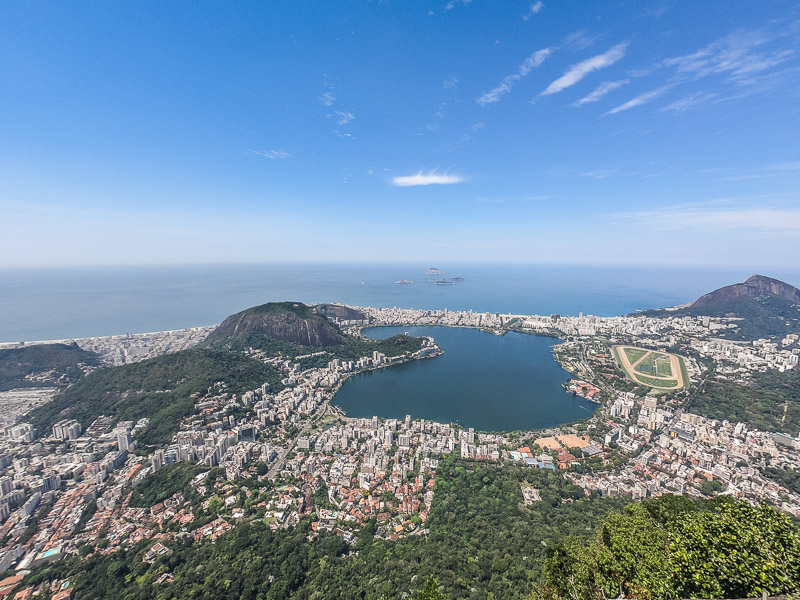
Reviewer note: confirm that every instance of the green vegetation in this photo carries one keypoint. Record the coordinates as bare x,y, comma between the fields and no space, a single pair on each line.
61,362
286,321
664,367
788,478
643,374
659,383
770,401
163,389
634,354
767,316
673,548
483,543
482,536
352,349
166,482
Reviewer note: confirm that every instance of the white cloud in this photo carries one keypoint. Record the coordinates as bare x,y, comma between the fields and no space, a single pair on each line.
707,219
578,71
279,153
734,55
327,99
534,9
423,178
342,117
600,91
530,63
640,99
689,102
450,82
579,40
453,3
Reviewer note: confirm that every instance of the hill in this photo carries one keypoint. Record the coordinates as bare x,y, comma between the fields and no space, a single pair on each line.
292,329
754,287
41,365
291,322
162,388
767,308
340,312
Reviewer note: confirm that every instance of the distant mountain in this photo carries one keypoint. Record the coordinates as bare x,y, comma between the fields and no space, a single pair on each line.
756,287
767,308
44,365
291,322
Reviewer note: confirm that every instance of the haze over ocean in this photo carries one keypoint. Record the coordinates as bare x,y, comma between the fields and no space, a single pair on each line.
64,303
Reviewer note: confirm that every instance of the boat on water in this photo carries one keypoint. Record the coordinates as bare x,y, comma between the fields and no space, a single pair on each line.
404,281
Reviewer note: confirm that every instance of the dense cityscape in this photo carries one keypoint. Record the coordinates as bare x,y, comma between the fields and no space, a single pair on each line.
281,456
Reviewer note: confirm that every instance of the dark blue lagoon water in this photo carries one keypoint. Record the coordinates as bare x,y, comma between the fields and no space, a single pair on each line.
485,381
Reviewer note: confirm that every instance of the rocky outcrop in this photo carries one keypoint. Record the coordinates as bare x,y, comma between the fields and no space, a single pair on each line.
337,311
292,322
755,287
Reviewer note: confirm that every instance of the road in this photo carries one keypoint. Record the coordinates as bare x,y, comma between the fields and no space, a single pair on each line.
324,409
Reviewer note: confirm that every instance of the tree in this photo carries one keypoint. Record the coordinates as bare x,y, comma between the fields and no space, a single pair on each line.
430,591
673,548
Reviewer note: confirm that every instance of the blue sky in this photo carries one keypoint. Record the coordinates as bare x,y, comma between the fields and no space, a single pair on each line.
194,132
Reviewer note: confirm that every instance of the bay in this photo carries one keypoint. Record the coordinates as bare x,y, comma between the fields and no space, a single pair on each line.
41,304
485,381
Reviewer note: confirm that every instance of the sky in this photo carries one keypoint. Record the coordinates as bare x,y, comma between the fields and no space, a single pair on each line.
608,132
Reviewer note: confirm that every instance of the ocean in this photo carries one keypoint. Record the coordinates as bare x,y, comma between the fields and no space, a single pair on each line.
41,304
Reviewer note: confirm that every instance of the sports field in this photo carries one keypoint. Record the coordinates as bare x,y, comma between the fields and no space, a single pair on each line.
652,368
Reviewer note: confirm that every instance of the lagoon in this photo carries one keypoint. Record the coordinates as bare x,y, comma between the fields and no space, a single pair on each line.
485,381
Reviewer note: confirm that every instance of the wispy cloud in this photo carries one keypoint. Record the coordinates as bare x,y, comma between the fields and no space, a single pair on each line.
579,40
640,99
738,55
600,91
279,153
530,63
450,83
327,99
423,178
533,9
578,71
784,169
453,3
490,200
689,102
707,218
342,117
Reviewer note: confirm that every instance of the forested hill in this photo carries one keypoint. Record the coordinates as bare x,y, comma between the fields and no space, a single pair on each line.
40,365
291,322
767,308
163,389
484,542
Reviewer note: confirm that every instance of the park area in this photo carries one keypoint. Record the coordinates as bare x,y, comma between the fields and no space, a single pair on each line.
655,369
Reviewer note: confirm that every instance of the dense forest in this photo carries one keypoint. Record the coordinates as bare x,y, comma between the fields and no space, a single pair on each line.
163,389
55,364
770,401
675,548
